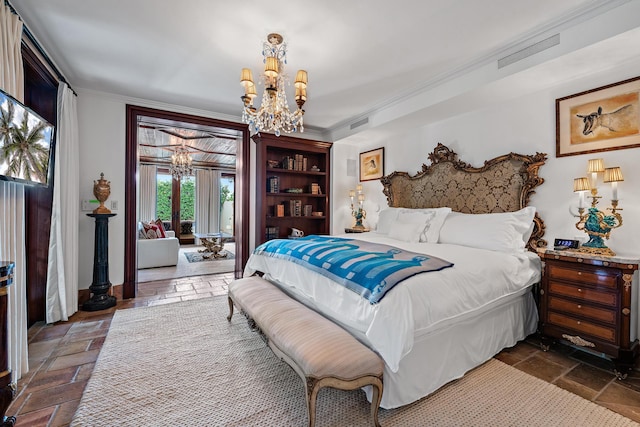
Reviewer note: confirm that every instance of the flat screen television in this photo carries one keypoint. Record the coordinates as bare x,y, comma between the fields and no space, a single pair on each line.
26,143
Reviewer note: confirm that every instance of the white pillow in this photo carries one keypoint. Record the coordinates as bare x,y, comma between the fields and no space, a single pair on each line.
504,232
386,218
406,231
431,218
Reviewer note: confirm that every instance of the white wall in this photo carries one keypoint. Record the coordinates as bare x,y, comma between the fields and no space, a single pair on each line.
524,125
342,180
102,149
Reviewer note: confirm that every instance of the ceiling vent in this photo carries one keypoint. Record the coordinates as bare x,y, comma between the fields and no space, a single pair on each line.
359,123
530,50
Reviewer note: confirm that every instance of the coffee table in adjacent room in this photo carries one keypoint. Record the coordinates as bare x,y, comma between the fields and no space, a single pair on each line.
213,244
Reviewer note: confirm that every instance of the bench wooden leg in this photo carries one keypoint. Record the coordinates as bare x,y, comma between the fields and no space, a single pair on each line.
312,397
375,401
230,309
314,385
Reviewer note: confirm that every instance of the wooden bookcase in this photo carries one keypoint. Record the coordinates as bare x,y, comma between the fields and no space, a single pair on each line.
282,182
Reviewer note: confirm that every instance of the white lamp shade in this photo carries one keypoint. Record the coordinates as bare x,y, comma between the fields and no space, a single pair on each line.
271,66
613,174
596,165
246,78
580,184
251,91
301,79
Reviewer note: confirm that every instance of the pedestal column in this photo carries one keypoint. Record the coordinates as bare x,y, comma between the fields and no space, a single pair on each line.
99,288
6,387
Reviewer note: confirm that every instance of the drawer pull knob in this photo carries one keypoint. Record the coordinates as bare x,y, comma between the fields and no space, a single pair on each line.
579,306
579,273
579,323
579,290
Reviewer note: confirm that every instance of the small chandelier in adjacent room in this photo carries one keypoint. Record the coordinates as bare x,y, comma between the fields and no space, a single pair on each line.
274,114
181,163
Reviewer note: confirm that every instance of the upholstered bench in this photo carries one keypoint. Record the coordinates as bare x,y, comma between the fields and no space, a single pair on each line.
320,351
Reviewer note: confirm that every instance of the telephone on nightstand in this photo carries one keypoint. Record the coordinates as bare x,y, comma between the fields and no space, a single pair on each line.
562,244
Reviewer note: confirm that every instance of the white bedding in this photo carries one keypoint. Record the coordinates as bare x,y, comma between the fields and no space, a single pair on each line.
425,303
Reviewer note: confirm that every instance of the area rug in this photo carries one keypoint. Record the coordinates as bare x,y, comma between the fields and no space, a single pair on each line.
199,257
184,364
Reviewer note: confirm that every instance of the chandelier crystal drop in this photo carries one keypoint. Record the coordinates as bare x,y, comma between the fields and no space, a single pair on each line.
274,114
181,163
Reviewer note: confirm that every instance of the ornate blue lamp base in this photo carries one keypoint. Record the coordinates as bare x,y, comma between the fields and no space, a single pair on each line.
598,226
359,215
605,251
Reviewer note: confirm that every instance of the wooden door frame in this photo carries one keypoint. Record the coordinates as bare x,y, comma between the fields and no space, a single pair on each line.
131,171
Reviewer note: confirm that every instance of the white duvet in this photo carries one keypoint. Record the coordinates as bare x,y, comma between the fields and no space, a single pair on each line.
479,280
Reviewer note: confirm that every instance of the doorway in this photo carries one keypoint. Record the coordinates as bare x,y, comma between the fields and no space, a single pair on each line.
227,204
175,204
240,194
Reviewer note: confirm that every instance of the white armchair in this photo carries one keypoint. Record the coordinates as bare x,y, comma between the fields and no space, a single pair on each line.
158,252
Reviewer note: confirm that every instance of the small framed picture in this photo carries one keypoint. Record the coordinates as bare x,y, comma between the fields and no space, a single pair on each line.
601,119
372,164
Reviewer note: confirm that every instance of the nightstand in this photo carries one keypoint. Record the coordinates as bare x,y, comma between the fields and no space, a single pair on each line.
585,300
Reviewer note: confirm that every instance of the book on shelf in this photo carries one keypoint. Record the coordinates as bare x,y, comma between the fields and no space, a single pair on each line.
307,210
273,184
295,162
315,188
295,207
280,210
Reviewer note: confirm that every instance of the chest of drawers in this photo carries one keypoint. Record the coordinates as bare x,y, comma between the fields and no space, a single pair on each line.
586,300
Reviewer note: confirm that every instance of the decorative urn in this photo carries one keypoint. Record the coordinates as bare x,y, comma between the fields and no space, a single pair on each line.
101,189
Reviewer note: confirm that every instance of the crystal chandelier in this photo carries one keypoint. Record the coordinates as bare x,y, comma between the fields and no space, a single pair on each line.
181,163
274,114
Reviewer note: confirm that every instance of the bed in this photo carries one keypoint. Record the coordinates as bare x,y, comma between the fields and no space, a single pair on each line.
433,327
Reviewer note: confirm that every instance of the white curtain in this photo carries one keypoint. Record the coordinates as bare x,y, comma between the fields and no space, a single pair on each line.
207,201
11,71
62,271
147,202
12,228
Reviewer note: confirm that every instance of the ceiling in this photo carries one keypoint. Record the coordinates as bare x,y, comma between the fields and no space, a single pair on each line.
209,147
361,56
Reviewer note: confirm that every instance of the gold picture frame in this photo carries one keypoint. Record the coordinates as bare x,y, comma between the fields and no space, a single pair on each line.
372,164
601,119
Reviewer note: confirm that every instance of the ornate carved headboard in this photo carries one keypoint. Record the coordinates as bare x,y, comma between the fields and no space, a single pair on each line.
503,184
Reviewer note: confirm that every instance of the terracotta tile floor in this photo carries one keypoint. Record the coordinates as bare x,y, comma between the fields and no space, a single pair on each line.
62,357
